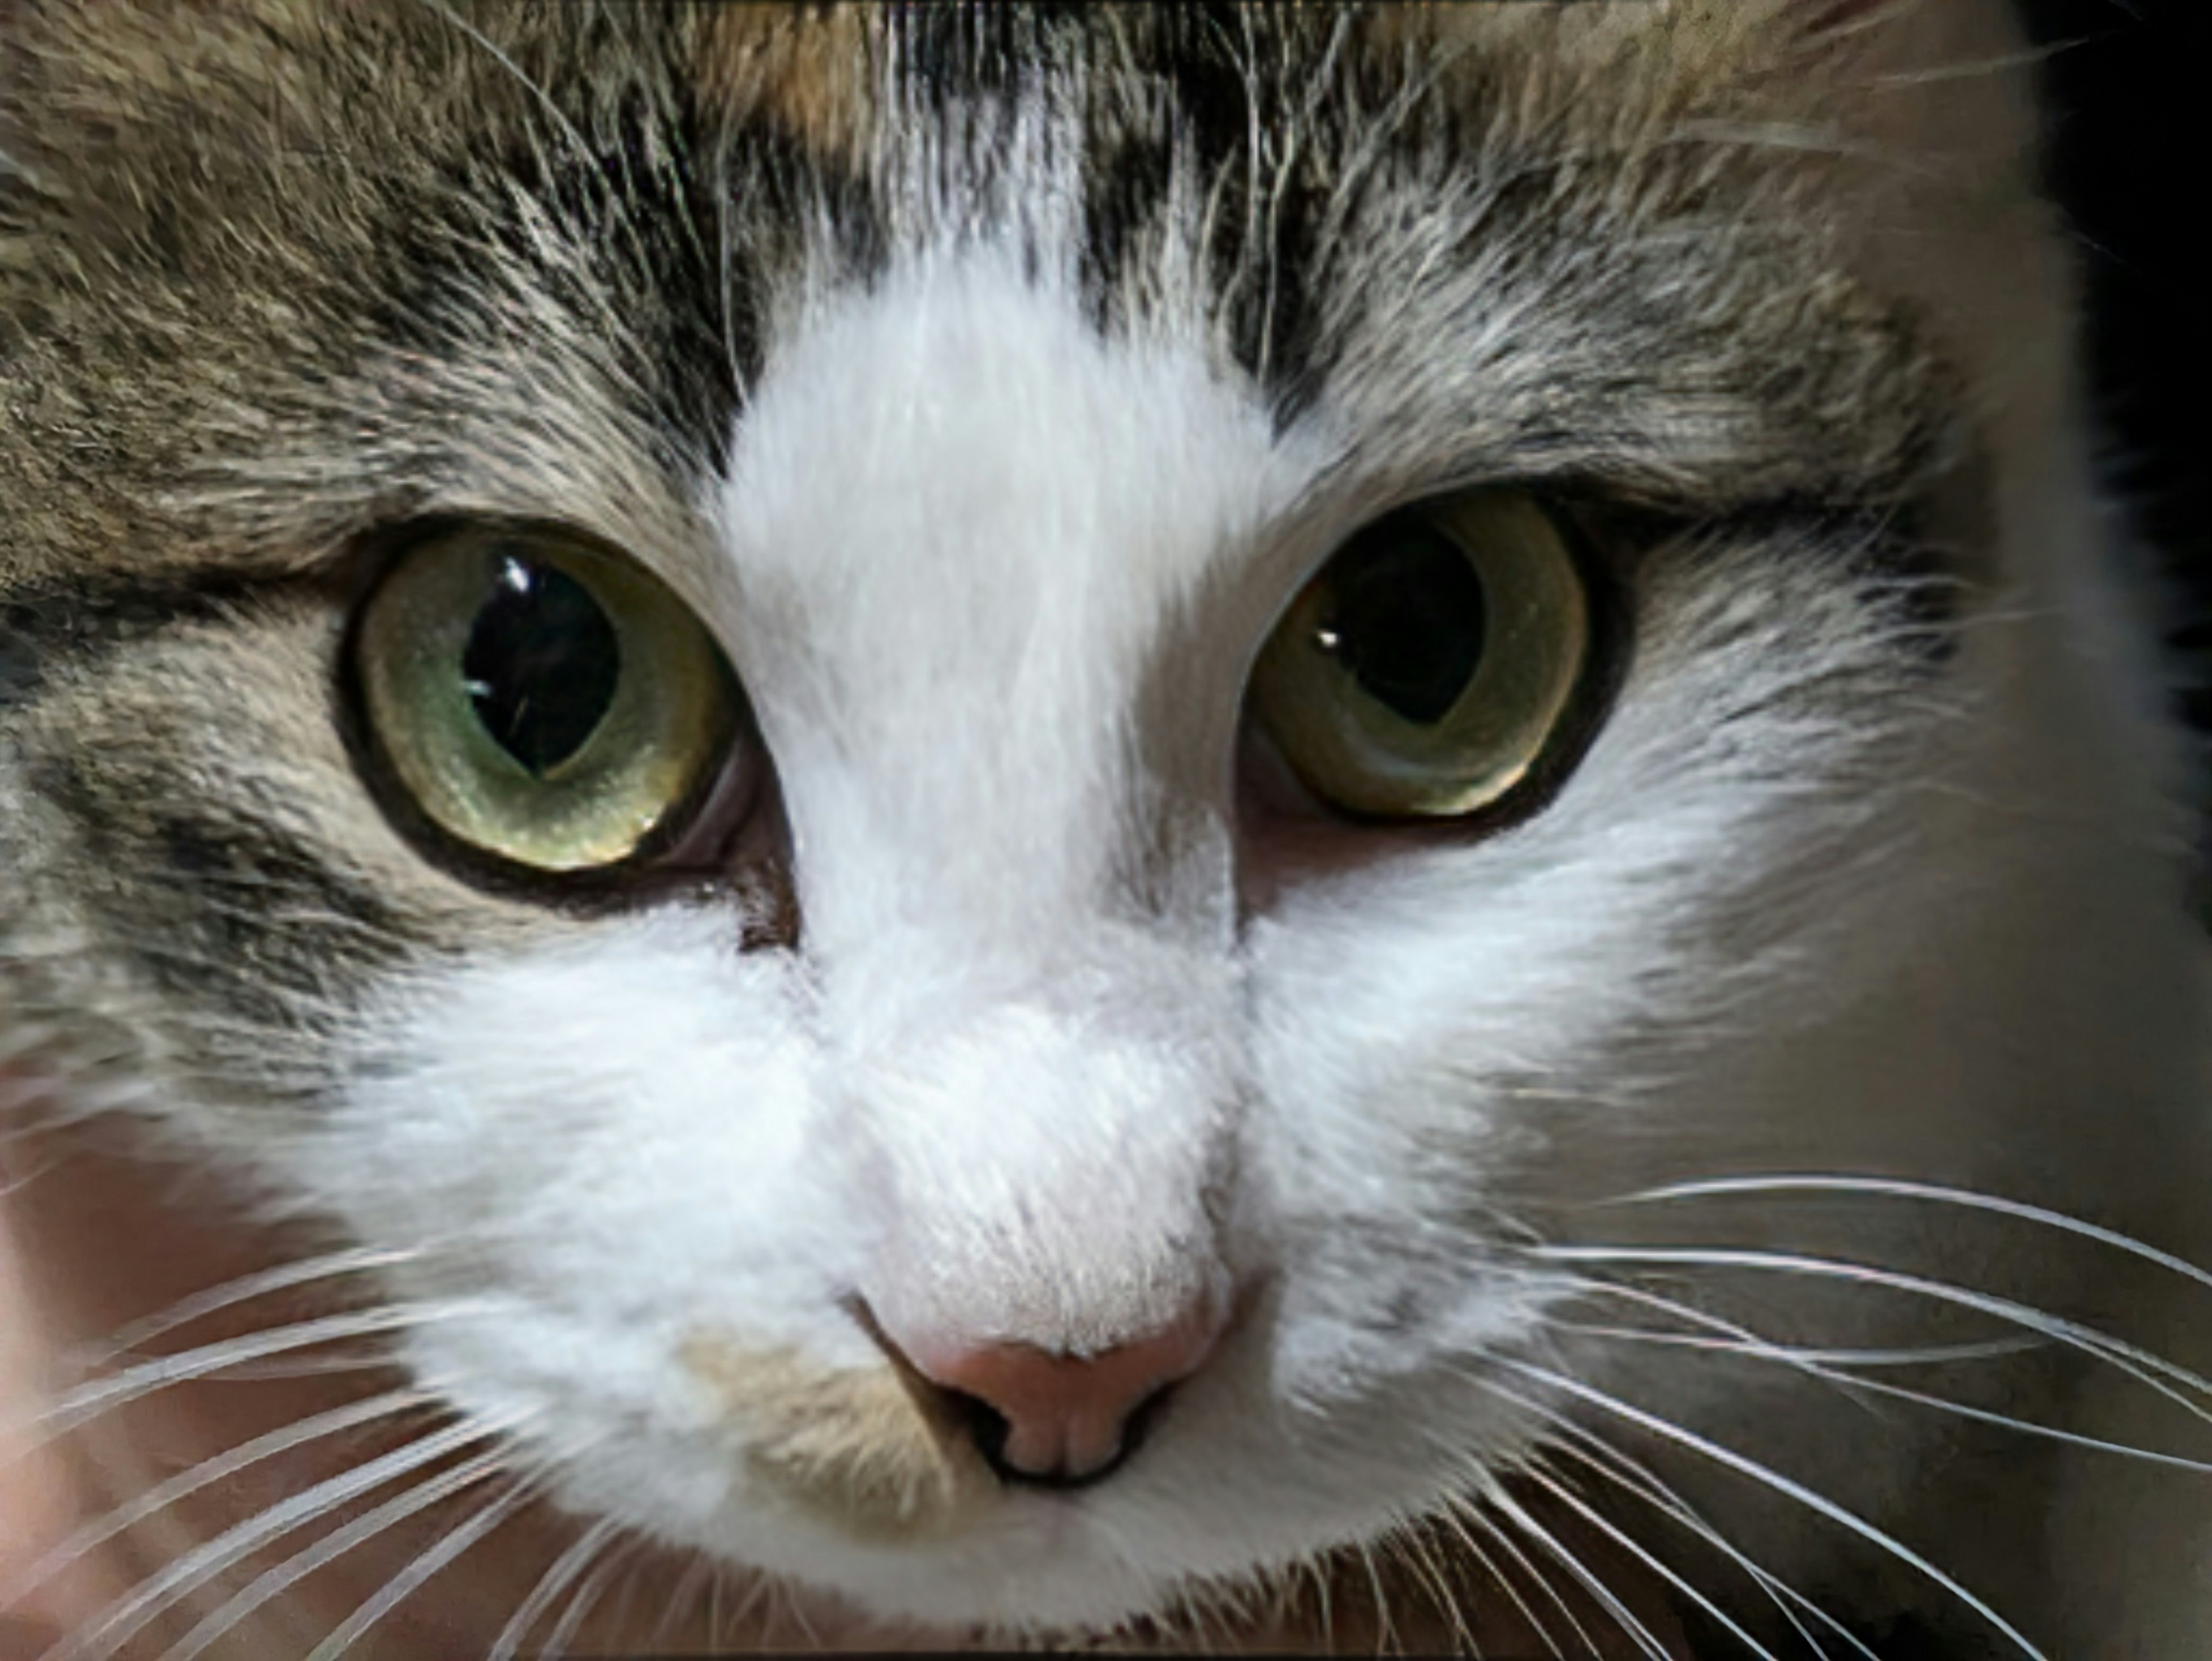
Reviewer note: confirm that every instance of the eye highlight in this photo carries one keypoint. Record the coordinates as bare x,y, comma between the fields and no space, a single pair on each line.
539,699
1434,662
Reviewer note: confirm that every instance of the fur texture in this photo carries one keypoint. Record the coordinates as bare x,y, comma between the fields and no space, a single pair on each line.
988,380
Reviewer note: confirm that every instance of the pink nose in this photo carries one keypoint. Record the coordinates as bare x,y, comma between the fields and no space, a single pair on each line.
1066,1416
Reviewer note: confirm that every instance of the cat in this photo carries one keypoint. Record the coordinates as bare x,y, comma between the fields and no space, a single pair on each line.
1216,824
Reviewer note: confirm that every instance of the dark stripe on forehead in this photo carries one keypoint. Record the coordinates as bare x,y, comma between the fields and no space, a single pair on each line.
1215,90
1127,106
605,200
678,190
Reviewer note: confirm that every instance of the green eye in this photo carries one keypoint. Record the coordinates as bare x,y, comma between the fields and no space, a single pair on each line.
1433,662
541,700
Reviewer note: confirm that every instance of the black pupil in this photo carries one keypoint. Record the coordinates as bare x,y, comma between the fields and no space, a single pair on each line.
1407,619
541,663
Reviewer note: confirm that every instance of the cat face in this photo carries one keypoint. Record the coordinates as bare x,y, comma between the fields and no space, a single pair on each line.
990,1092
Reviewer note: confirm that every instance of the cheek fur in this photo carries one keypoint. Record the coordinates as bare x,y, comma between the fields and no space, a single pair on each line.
640,1098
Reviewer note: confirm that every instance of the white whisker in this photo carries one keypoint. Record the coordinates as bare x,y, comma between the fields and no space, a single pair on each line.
317,1365
1741,1339
1894,1188
580,1605
272,1583
2137,1362
1452,1516
1984,1415
691,1590
1385,1634
403,1584
300,1272
1589,1513
619,1619
1323,1595
1623,1617
1781,1484
1512,1547
104,1394
1424,1564
163,1494
1616,1467
556,1580
1809,1356
123,1619
761,1590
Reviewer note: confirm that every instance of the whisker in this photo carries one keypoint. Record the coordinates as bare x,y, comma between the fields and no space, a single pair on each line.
300,1272
1733,1336
1792,138
308,1366
583,150
1984,1415
1386,1638
1424,1564
1971,69
1804,1355
1215,1609
556,1580
140,1506
620,1620
1450,1518
1616,1467
1324,1598
1780,1484
1204,1616
274,1582
403,1584
797,1611
122,1619
760,1591
1566,1496
757,1606
690,1590
580,1605
1894,1188
1511,1547
101,1395
1624,1617
2137,1362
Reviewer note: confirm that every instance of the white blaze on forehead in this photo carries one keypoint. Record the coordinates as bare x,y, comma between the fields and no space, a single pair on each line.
964,531
958,522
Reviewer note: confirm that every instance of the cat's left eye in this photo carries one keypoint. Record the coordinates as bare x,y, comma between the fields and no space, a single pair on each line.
541,700
1437,662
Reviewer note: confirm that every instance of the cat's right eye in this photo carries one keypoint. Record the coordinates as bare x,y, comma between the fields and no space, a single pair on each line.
540,699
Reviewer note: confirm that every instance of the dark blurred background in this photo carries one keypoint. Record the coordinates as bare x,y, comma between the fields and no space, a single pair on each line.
2129,83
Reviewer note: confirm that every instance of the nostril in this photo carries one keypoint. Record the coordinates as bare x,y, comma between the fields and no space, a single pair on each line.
988,1430
1054,1418
987,1427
